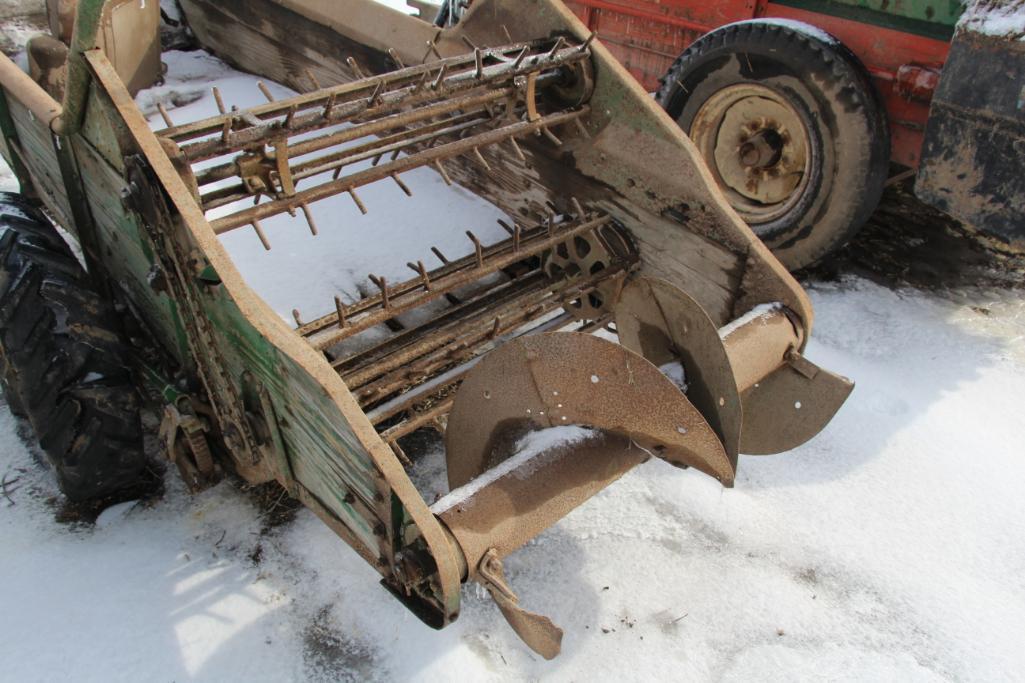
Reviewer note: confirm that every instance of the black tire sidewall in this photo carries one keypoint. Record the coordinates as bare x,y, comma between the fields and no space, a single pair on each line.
829,89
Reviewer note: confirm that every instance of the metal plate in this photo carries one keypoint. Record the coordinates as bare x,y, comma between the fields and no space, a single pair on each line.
566,378
663,324
790,406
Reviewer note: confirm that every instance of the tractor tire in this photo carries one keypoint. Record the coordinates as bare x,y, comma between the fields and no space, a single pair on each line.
791,128
63,364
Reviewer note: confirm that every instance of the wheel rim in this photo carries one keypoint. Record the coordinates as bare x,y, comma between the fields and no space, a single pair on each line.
758,148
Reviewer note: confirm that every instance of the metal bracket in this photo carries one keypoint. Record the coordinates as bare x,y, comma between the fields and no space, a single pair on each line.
539,632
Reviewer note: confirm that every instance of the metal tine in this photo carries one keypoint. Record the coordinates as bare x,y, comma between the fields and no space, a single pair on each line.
440,80
441,171
520,57
395,58
290,118
517,149
298,317
308,214
432,46
423,82
375,97
496,327
517,236
400,454
441,257
163,113
508,36
505,226
330,106
266,91
402,185
421,270
587,43
555,48
382,284
261,234
551,136
375,161
354,65
478,248
340,310
337,174
226,131
479,60
359,203
481,159
469,43
578,207
551,222
219,100
313,79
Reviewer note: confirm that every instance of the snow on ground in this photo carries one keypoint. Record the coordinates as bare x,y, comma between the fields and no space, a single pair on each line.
890,547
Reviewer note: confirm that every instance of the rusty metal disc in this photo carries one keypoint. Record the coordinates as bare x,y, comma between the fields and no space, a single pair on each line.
566,378
662,323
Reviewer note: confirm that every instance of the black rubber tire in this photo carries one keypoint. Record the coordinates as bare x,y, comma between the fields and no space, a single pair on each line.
831,91
63,363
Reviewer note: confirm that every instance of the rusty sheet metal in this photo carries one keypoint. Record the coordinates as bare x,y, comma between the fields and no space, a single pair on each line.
790,406
662,323
565,378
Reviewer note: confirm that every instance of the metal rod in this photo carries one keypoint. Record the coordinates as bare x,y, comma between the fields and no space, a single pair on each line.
359,179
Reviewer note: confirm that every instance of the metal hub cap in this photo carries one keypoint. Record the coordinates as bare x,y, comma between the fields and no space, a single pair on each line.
757,147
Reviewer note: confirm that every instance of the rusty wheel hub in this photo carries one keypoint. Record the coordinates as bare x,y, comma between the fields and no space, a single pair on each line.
758,149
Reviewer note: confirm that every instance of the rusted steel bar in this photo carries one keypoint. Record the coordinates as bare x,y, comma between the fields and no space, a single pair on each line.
449,267
402,303
437,411
332,162
359,179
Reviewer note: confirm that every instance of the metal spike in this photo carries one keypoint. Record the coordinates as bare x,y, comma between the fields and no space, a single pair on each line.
340,310
355,67
261,234
551,136
441,77
337,173
517,149
469,43
442,173
219,100
441,257
362,207
481,159
478,57
382,284
291,115
478,248
376,160
402,185
496,327
313,79
421,270
555,48
265,90
163,113
505,226
508,37
520,57
395,57
309,218
298,317
330,106
423,81
517,236
375,98
577,207
226,132
587,43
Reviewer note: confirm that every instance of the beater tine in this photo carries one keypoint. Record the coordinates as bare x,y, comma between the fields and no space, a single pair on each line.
261,234
359,203
163,113
265,90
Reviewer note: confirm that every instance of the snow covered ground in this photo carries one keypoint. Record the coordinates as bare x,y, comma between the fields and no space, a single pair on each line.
890,547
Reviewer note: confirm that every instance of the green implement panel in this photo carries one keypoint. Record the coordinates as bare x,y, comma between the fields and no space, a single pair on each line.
930,18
